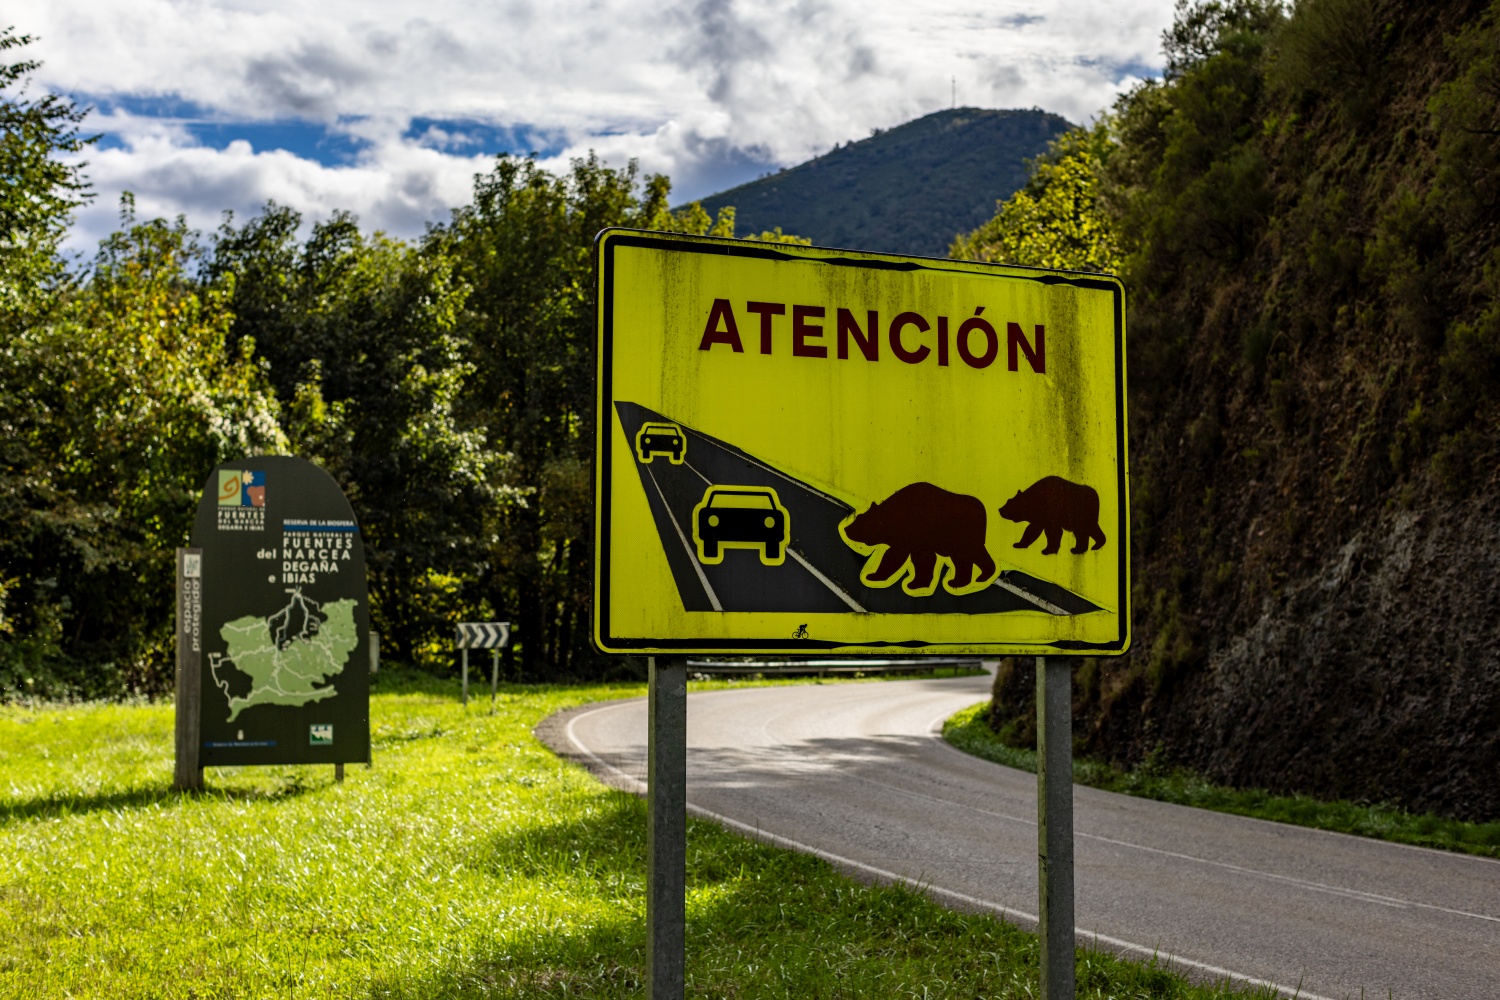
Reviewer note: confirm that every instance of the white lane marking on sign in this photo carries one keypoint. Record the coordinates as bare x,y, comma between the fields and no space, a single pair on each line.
692,556
1026,595
825,581
838,591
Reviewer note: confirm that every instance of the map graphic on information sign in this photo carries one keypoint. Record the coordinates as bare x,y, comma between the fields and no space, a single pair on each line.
288,656
802,449
285,613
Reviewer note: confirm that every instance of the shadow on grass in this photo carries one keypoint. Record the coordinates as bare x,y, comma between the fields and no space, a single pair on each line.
760,923
60,804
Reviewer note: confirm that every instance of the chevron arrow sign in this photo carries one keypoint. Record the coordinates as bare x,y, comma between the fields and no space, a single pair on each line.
483,635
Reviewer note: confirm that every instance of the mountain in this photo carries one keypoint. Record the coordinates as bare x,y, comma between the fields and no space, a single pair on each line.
909,189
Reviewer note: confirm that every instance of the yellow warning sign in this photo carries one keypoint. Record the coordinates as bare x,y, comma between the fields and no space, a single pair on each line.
804,450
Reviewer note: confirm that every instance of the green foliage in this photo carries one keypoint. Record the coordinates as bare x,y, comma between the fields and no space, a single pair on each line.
38,188
969,730
1307,214
361,338
1056,219
447,386
469,862
117,406
524,246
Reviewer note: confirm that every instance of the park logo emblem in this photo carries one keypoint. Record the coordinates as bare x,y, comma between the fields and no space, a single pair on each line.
242,488
320,734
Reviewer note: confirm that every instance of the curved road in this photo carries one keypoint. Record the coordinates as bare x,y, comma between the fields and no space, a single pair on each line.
856,774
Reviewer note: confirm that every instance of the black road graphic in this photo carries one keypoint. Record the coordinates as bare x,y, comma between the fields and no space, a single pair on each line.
820,574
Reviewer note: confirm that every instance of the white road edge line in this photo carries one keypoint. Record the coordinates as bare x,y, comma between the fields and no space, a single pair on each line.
637,786
1394,845
1026,595
1395,902
692,556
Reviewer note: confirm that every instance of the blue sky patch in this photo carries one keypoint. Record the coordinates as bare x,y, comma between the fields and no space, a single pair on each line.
328,145
466,137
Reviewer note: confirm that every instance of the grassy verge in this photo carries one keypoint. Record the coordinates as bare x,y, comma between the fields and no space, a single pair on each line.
968,732
470,862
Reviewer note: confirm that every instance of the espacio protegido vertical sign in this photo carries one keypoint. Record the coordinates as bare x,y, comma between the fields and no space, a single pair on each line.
284,617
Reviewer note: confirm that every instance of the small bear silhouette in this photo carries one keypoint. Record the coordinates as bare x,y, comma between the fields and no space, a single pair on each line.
920,524
1054,505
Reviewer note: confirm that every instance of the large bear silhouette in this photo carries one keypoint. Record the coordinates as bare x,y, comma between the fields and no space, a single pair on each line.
921,524
1054,505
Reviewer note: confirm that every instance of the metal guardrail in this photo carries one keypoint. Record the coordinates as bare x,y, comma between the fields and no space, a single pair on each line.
822,668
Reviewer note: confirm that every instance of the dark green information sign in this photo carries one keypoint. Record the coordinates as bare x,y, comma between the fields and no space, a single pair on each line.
284,618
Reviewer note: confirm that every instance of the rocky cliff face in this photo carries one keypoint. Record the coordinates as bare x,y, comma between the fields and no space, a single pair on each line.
1311,207
1377,677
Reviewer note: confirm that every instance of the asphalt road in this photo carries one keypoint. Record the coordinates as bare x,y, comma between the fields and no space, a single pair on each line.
855,773
821,573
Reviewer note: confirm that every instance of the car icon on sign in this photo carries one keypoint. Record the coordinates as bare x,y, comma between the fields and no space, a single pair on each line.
661,439
741,517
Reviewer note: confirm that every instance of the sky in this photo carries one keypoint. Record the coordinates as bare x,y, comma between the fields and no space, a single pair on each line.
388,108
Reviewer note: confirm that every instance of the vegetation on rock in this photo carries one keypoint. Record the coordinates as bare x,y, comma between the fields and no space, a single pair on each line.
1308,218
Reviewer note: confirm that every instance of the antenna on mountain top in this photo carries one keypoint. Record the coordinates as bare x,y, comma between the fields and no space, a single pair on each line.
954,79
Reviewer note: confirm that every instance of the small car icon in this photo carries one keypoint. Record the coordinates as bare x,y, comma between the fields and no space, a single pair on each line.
741,517
660,439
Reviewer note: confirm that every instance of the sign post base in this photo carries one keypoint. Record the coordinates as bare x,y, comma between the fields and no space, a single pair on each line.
666,834
1054,786
188,774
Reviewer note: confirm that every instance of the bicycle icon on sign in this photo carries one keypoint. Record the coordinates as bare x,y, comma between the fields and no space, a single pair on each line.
801,632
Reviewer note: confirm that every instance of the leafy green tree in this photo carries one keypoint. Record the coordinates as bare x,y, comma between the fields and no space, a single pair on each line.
360,337
116,396
1057,219
524,247
39,185
131,397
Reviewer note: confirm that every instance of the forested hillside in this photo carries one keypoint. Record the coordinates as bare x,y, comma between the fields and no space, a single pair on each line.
909,189
1306,211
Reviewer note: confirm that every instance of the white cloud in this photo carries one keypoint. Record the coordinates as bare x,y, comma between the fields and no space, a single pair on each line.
709,91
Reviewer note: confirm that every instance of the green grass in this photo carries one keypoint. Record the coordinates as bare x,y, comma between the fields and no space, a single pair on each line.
968,732
470,862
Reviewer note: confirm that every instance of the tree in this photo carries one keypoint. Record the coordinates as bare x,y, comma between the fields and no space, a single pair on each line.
38,187
525,248
1057,219
360,338
130,397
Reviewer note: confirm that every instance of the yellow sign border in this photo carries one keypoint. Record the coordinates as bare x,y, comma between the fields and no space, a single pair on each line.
605,244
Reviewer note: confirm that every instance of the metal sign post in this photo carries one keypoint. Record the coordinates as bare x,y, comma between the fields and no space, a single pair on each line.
189,772
482,635
1054,828
666,832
